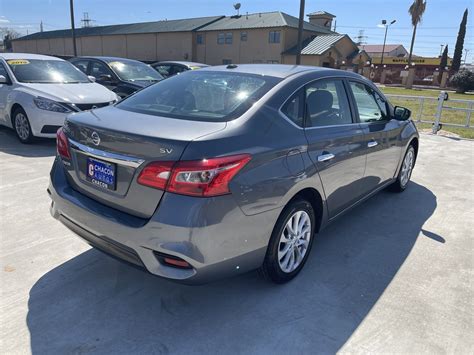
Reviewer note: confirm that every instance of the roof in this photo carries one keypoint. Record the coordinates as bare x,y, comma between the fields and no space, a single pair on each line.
181,62
108,59
317,45
320,13
261,20
275,70
8,56
183,25
378,48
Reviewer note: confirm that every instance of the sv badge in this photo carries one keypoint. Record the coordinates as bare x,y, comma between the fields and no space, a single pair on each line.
166,150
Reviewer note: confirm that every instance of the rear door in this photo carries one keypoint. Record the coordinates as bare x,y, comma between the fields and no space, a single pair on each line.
381,134
4,90
335,142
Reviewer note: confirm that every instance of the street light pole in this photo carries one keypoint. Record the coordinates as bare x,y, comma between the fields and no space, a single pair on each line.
73,30
384,23
300,33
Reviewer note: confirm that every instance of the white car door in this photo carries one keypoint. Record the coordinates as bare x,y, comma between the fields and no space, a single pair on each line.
4,90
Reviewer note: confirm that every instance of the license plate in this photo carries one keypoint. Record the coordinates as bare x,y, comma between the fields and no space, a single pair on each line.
101,173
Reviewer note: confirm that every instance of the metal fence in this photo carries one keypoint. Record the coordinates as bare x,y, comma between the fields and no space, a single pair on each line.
438,111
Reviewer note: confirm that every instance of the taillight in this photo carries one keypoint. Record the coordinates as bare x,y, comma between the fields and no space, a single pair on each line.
207,177
62,144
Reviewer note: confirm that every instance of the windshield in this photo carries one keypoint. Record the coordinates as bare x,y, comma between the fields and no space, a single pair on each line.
46,71
134,71
201,96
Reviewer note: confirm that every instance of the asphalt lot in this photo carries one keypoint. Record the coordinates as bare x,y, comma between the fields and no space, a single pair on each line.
394,275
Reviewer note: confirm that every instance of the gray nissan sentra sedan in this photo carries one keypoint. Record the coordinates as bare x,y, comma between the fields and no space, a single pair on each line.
219,171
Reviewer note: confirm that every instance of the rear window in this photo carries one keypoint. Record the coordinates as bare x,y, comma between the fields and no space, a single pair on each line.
201,96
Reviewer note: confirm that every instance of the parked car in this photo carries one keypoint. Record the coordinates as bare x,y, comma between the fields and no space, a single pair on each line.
122,76
170,68
222,170
37,92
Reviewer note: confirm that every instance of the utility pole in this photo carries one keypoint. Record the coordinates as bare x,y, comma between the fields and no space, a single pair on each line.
300,33
441,50
73,30
41,26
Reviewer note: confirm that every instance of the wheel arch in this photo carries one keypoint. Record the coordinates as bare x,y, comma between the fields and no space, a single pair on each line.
314,198
415,143
15,107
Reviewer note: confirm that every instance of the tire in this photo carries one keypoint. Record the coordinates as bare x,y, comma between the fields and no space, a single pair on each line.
404,175
274,267
21,125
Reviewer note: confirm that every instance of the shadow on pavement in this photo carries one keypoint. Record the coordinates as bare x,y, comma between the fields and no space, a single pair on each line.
41,147
93,303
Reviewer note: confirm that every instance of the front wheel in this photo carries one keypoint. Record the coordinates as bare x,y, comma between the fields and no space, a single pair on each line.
406,169
290,242
22,127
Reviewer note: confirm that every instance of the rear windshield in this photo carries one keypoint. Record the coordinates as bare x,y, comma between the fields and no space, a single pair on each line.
46,71
201,96
135,71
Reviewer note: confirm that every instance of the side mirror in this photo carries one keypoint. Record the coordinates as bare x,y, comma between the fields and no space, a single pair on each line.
401,113
3,80
91,78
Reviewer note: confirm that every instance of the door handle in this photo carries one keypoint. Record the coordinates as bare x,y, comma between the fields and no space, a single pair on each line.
325,157
372,144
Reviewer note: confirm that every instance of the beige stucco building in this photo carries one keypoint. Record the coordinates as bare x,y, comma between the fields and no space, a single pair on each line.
253,38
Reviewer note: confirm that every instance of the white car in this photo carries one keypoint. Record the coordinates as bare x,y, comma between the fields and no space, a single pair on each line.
37,92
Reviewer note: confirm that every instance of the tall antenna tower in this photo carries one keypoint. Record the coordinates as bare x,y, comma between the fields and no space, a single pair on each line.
86,21
361,38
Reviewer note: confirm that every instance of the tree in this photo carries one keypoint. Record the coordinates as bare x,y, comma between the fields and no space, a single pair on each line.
459,44
463,81
444,62
8,35
416,11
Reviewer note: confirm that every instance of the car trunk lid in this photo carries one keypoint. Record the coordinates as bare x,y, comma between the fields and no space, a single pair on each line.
126,142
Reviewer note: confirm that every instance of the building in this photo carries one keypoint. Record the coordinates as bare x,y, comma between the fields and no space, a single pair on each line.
252,38
391,50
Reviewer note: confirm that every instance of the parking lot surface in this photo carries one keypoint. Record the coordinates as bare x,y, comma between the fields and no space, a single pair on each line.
393,275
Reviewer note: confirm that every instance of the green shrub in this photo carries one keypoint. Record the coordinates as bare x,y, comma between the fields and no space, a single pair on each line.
463,80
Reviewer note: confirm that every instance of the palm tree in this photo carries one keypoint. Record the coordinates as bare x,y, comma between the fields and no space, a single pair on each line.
416,11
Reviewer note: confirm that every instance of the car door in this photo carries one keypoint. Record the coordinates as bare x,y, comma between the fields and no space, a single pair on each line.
335,142
103,74
381,134
82,65
4,91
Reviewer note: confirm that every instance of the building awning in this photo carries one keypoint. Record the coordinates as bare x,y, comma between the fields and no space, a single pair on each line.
317,45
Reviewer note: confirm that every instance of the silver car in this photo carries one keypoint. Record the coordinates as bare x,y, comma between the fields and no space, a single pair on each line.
223,170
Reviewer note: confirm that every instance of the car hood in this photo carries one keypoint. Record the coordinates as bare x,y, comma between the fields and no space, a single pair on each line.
81,93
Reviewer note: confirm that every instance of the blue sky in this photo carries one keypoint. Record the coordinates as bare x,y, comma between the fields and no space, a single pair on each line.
440,22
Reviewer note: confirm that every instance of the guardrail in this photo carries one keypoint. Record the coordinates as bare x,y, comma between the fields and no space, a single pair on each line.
423,107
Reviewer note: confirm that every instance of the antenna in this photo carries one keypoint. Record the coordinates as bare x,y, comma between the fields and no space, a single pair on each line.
41,26
237,7
86,21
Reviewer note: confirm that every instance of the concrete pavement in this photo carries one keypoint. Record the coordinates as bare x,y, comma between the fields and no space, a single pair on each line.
392,276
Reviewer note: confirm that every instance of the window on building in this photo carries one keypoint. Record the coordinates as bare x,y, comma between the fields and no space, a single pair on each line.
200,39
274,37
226,61
228,38
243,36
221,38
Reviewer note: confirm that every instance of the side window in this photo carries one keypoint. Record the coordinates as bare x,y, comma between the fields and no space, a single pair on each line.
274,37
98,69
228,38
178,69
327,104
220,38
164,69
81,65
371,106
293,108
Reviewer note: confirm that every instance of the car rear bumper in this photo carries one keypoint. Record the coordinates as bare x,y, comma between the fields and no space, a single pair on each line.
211,234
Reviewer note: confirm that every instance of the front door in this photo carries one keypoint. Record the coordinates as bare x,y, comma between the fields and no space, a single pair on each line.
103,74
4,90
335,143
381,134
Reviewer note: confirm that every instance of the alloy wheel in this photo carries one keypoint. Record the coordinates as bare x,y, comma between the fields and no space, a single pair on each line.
294,241
407,167
22,126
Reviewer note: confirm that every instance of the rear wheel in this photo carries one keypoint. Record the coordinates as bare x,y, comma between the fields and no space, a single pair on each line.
22,127
406,169
290,243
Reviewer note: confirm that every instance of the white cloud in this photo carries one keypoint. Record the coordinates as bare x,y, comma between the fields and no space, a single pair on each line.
3,19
